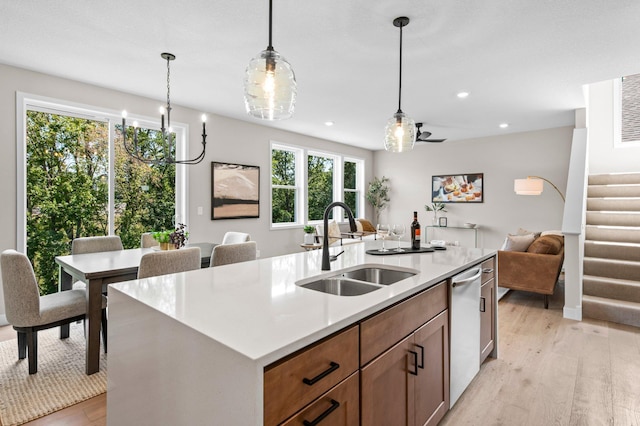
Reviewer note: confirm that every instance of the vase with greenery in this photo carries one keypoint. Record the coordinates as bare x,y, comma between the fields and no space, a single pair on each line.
309,237
435,208
378,195
171,240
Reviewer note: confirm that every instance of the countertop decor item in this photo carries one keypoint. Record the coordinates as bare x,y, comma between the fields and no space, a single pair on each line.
166,149
435,208
269,83
400,132
309,237
170,240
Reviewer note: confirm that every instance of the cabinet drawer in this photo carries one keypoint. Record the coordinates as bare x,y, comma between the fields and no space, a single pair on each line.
338,407
383,330
294,382
488,269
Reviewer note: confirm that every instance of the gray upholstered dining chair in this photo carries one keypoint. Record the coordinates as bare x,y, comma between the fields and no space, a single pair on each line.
233,237
83,245
147,240
169,262
224,254
28,312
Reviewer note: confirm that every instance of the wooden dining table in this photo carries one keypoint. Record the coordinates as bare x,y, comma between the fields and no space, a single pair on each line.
96,270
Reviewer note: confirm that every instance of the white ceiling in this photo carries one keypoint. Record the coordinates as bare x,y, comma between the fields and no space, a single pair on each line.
523,61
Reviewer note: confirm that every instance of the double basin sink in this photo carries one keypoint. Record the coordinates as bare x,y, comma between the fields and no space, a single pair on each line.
357,281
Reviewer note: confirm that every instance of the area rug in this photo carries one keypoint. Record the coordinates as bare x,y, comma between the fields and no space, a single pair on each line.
60,381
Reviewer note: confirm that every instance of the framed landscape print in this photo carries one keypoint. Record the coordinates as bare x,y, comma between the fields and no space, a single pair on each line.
463,188
235,191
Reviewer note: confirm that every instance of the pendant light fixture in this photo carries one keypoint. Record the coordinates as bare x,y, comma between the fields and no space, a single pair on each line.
400,133
164,155
269,84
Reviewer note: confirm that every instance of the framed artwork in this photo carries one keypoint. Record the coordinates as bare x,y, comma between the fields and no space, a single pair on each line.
442,221
235,191
463,188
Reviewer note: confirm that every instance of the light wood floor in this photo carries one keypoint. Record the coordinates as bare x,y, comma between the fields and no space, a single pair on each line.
551,371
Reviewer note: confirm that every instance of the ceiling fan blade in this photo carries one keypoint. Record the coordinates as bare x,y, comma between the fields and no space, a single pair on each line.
431,140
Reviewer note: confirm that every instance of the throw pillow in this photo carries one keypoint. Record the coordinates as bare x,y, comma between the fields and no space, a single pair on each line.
358,226
546,244
517,242
522,231
367,226
559,233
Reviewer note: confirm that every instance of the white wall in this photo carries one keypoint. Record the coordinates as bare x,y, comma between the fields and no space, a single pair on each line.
228,140
502,159
603,156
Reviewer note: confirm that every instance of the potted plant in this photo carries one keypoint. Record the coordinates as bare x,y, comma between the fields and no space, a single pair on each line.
435,208
171,240
309,237
378,195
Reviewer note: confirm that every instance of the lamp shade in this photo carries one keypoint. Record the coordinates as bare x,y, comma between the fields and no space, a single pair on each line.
400,133
269,87
528,186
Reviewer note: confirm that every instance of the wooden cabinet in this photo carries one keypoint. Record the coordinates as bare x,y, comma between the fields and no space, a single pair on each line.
407,384
294,382
338,407
487,308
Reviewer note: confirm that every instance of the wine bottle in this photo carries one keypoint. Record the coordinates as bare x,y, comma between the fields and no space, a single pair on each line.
415,232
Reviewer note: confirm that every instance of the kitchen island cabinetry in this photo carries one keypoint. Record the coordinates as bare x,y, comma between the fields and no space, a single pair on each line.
234,344
487,307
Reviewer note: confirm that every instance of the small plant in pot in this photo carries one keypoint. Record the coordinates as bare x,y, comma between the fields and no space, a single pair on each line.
435,208
172,240
309,237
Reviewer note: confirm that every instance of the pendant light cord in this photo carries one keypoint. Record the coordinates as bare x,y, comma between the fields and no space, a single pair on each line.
400,74
168,93
270,47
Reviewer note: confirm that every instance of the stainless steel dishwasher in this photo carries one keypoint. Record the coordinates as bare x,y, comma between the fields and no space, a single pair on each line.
465,330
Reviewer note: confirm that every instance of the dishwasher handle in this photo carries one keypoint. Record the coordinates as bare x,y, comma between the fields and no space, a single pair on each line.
476,275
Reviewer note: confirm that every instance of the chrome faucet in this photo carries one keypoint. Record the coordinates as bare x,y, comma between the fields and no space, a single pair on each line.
325,240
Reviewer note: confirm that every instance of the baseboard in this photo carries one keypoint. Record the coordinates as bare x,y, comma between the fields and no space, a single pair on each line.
572,313
502,291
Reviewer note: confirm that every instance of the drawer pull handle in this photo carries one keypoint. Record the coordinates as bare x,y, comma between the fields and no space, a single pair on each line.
483,304
334,404
421,365
333,366
487,270
415,362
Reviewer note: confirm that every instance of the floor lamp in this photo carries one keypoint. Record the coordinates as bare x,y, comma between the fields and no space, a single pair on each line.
533,185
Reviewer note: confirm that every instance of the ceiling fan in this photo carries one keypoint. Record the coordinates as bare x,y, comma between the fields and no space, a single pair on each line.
424,136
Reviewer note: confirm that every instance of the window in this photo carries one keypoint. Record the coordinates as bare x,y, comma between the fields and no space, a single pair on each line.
77,180
627,111
301,190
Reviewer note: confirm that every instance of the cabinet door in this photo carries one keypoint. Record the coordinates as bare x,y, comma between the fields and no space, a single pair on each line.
386,389
431,341
487,317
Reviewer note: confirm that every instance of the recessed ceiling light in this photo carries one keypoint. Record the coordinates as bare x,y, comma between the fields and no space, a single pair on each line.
328,123
504,125
463,95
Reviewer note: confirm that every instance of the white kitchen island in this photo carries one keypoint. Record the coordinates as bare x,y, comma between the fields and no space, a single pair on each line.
191,348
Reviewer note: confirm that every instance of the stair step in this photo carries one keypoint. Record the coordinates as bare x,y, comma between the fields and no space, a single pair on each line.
612,250
613,218
611,288
626,190
628,204
614,178
620,234
612,268
617,311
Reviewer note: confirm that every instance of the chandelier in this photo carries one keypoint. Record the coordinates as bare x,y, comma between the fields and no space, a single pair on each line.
164,155
400,132
269,84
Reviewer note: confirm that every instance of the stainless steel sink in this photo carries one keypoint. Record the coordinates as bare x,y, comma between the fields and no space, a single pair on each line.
357,281
340,286
377,275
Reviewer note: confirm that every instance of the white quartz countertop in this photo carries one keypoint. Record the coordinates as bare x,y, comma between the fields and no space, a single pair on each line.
256,309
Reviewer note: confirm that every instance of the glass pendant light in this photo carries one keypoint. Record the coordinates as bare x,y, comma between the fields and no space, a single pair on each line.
400,133
269,84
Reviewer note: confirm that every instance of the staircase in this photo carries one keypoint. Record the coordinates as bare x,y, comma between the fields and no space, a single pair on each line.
611,283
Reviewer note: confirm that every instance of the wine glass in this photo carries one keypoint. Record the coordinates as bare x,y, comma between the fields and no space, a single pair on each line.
383,231
398,232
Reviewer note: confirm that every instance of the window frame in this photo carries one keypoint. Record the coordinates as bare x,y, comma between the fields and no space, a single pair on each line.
30,102
302,204
617,118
